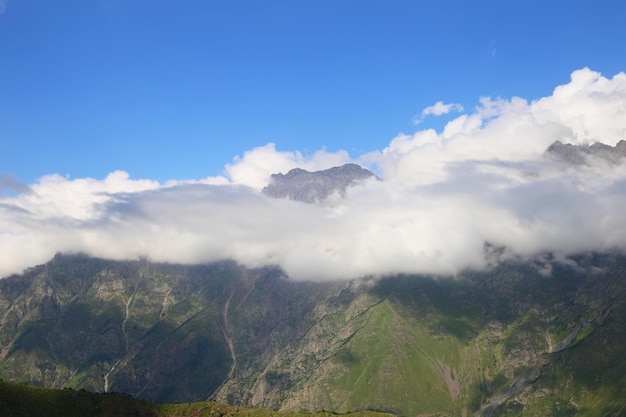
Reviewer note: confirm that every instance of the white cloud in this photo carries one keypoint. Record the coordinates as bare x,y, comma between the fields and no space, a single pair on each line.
443,195
256,166
437,109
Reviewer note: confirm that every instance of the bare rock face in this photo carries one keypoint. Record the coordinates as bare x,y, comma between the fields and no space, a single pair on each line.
312,187
581,154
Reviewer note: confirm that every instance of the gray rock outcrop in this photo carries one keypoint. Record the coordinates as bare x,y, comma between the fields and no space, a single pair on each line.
582,154
312,187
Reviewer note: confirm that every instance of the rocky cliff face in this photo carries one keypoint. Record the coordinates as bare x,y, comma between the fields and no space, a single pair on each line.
312,187
510,341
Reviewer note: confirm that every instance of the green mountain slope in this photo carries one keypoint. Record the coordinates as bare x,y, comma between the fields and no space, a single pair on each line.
389,362
514,340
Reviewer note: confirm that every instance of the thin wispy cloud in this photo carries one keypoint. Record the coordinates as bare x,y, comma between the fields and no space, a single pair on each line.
437,109
444,200
493,49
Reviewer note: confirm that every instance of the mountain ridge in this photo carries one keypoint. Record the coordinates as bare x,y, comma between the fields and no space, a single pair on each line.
584,154
481,344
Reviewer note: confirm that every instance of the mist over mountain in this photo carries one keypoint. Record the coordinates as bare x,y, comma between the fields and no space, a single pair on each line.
312,209
482,181
484,269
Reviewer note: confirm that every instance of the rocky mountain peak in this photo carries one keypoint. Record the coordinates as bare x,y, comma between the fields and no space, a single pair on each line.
311,187
581,154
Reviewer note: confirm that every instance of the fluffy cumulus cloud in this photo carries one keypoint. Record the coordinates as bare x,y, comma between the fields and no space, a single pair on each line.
479,191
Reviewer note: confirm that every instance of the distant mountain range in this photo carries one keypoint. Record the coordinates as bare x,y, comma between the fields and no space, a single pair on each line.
312,187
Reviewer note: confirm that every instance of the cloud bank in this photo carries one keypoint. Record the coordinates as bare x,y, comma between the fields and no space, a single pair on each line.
445,200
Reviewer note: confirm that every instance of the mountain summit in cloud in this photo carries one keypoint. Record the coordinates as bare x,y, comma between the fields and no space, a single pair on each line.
583,154
483,178
312,187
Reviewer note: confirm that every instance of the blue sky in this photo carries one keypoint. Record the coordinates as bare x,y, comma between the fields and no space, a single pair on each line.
174,90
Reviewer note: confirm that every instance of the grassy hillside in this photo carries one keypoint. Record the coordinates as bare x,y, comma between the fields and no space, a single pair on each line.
19,400
388,362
